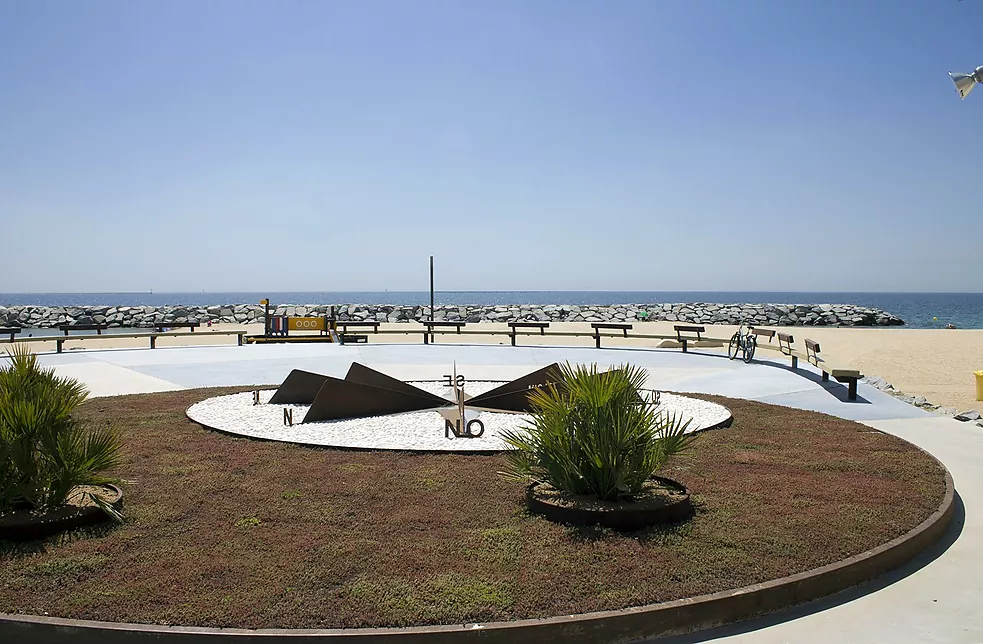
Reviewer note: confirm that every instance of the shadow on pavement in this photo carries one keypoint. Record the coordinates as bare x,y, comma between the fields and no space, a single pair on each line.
838,390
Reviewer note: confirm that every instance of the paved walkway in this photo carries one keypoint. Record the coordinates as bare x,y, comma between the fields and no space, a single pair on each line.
934,599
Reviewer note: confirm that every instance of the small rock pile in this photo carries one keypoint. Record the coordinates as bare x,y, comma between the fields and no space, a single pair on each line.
967,416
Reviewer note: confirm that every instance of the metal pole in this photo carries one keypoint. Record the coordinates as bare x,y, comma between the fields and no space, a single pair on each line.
431,294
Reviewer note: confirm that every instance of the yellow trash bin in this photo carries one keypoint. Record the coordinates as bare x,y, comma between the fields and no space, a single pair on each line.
979,384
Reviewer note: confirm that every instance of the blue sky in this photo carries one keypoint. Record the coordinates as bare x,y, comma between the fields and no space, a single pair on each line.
630,145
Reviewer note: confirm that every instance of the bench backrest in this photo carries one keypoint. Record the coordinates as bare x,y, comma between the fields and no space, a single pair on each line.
9,330
81,327
785,341
767,333
812,351
610,325
537,325
443,323
687,328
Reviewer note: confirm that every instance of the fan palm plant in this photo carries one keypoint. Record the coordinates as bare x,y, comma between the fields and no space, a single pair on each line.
45,450
595,434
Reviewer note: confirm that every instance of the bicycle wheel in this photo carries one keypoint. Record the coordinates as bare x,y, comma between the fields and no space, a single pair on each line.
749,346
735,341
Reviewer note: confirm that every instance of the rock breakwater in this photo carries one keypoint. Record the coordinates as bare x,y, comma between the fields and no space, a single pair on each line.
698,313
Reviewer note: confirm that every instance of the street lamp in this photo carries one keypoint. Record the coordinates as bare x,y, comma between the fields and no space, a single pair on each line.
965,82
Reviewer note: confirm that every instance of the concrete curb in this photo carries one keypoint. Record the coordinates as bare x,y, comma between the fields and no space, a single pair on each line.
684,615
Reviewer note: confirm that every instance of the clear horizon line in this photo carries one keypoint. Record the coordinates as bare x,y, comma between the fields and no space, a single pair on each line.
482,291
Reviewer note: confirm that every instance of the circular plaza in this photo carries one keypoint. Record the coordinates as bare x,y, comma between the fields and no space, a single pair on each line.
388,526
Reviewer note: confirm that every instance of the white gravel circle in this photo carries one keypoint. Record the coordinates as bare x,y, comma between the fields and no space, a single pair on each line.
411,431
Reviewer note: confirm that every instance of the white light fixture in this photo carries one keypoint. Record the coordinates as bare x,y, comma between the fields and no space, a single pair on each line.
965,82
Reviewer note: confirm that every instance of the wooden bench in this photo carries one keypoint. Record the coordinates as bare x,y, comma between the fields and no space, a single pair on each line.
159,328
597,326
346,338
61,340
98,328
542,326
358,324
687,328
10,330
785,341
848,376
428,336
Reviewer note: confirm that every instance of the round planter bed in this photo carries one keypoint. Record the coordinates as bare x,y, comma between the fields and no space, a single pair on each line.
666,501
27,526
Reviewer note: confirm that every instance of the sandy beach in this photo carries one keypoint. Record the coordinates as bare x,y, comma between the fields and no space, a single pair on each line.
935,363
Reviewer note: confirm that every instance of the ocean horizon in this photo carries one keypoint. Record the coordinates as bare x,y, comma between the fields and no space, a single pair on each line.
918,310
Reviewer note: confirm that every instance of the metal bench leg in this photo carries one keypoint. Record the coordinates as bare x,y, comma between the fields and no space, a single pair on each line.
597,339
59,342
240,339
683,342
852,391
825,377
153,342
795,362
512,335
426,338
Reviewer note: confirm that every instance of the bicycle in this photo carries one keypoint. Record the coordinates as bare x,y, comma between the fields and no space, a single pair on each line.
745,342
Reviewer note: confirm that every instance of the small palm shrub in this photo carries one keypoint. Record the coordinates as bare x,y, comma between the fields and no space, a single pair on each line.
45,450
595,434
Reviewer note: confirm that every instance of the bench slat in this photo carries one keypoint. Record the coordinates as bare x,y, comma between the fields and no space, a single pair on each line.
538,325
98,328
354,323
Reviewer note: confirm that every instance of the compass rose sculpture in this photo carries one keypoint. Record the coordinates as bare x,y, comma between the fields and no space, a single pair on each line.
365,392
